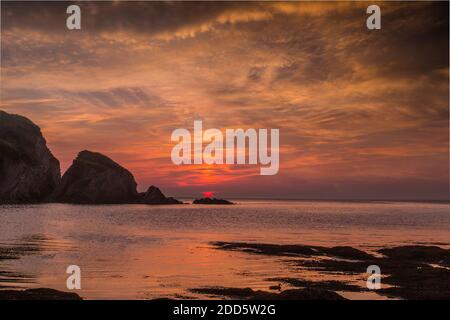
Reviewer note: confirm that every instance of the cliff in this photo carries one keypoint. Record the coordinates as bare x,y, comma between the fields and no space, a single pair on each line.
28,171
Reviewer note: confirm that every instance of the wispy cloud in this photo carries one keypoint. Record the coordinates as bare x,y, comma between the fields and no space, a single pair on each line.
361,114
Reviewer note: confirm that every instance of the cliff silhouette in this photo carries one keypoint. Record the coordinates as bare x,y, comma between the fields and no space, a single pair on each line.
29,173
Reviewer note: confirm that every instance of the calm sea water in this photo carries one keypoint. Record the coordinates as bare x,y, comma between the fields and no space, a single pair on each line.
146,252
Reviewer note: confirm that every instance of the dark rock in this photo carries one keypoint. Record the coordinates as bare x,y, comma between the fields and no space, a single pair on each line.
332,285
96,179
222,291
28,171
417,282
294,250
291,294
267,249
155,196
38,294
277,287
337,265
346,252
308,294
93,178
211,201
431,254
413,272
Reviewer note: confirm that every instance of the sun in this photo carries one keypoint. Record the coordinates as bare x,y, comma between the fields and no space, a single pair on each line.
208,194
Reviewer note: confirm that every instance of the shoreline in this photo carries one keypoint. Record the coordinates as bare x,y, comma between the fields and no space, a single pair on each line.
408,272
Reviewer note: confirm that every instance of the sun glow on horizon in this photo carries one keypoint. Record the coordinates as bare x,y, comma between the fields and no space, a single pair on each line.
361,114
208,194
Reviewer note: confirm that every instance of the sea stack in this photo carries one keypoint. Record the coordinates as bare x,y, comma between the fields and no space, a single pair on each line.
93,178
155,196
211,201
29,172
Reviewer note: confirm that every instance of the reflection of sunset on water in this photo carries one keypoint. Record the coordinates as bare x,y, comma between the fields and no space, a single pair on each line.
359,133
146,252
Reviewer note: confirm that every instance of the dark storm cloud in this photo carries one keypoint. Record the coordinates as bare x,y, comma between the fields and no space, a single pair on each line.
135,16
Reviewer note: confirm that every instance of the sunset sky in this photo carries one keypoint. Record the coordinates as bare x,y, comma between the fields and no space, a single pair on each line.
362,114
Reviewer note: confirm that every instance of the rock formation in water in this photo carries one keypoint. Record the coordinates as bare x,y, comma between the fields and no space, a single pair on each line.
211,201
38,294
155,196
93,178
28,171
96,179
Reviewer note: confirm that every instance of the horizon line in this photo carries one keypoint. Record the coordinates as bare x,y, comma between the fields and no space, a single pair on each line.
325,199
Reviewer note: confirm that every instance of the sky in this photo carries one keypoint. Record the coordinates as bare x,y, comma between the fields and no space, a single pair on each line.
362,114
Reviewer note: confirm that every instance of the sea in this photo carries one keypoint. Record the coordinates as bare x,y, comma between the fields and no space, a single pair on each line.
151,252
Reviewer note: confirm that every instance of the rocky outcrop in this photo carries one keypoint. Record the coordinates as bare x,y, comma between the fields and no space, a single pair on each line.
155,196
250,294
38,294
411,272
211,201
28,171
94,178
